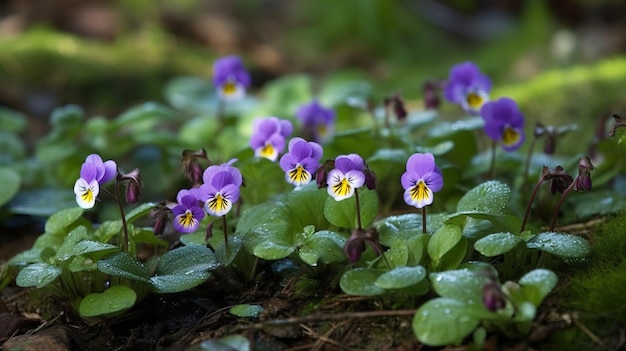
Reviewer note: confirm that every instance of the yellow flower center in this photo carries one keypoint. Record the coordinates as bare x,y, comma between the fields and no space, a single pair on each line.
420,192
229,88
87,196
299,175
474,100
342,188
218,204
268,151
510,136
186,220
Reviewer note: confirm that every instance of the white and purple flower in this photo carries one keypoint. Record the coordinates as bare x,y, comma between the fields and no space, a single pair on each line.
421,180
504,123
301,162
468,87
220,189
346,177
268,138
188,213
230,78
93,173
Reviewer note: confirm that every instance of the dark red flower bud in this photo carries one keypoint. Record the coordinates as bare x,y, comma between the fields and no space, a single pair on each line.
191,164
370,178
355,245
162,216
133,185
431,98
493,297
322,173
583,181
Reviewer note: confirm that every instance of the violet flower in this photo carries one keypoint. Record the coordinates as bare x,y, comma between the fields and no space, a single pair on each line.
504,123
346,177
421,180
268,138
301,162
220,189
230,78
188,213
318,122
93,173
468,87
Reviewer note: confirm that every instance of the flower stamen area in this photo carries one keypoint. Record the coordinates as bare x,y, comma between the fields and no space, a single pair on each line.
342,187
474,100
510,136
186,219
229,88
219,204
298,175
420,192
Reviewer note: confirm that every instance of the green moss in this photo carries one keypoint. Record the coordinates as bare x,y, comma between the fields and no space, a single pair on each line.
596,291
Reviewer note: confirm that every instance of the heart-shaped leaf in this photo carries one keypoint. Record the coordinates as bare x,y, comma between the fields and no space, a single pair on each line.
114,299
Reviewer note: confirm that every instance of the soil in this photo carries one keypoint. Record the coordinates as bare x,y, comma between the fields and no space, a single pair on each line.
298,313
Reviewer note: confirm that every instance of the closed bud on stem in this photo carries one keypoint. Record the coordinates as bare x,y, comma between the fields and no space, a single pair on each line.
133,185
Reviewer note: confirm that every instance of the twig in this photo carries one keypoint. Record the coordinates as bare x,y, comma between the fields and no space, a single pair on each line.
44,324
327,317
589,333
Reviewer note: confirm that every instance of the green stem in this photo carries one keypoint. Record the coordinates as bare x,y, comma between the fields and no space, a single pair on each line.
358,209
125,246
225,233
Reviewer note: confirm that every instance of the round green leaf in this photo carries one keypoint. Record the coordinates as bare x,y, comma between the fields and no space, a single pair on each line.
361,281
489,198
444,321
246,310
114,299
37,275
460,284
61,220
268,250
497,244
563,245
401,277
183,268
12,121
343,213
442,241
10,181
537,284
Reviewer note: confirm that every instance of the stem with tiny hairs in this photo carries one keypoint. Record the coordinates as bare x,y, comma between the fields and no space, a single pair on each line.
558,205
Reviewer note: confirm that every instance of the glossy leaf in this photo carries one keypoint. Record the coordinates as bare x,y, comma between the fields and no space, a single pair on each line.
60,221
343,213
37,275
117,298
11,182
444,321
497,244
489,198
442,241
563,245
460,284
537,284
361,281
126,266
401,277
246,310
183,268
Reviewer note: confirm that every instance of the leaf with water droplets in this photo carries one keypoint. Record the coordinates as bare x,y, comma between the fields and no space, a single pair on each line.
444,321
124,265
563,245
246,310
343,213
537,284
37,275
497,244
488,198
114,299
401,277
60,221
361,281
460,284
183,268
442,241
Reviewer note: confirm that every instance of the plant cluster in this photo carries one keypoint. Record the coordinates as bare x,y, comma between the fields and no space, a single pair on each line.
329,186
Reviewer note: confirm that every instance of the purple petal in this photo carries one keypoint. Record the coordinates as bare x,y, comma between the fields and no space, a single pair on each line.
88,171
434,181
300,149
189,201
356,178
316,150
310,164
110,170
278,141
421,163
222,179
231,192
288,162
408,179
286,128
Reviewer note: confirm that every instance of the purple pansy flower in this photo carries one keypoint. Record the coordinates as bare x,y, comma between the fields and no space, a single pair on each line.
468,87
421,180
93,173
346,176
317,120
220,189
230,78
268,138
504,123
188,213
302,160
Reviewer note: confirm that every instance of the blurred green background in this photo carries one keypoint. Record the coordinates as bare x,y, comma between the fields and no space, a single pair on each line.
107,55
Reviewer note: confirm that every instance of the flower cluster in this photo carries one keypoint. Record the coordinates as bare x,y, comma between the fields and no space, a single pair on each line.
93,173
269,136
230,78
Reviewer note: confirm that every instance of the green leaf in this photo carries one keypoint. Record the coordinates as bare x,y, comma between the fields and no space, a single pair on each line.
269,250
143,117
453,258
489,198
226,257
42,202
107,230
444,321
227,343
537,284
442,241
11,183
12,121
246,310
183,268
343,213
497,244
401,277
67,116
12,148
361,281
37,275
117,298
66,250
460,284
126,266
60,221
405,226
325,246
139,211
305,204
563,245
439,149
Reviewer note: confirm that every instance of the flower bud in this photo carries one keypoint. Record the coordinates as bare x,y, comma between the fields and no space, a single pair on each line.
583,181
191,164
355,245
322,173
161,214
431,99
493,297
133,185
